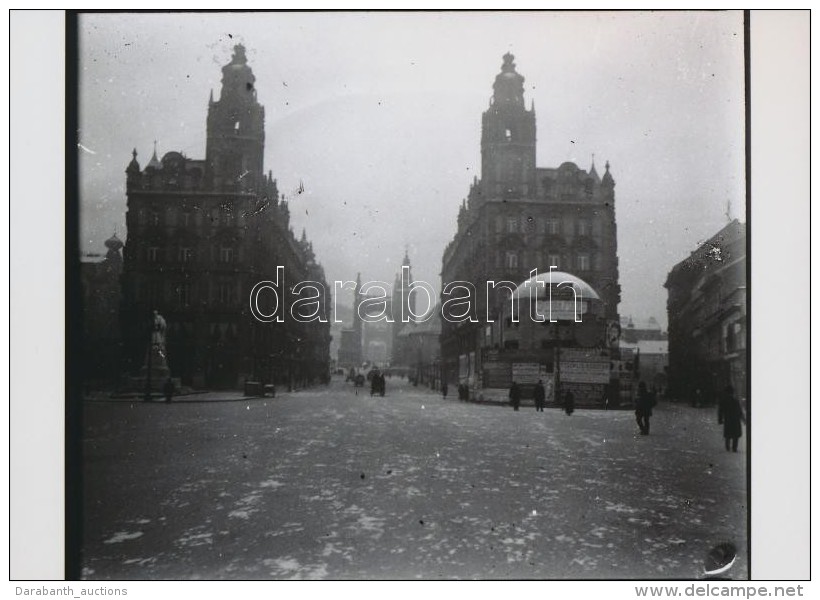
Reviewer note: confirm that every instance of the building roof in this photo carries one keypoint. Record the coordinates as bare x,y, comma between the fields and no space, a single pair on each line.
709,254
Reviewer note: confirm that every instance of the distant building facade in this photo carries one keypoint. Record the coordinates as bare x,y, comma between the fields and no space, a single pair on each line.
633,333
102,343
423,349
350,348
707,318
374,335
201,235
377,335
517,218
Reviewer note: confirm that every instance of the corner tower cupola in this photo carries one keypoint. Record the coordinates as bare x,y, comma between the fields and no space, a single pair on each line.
133,170
236,129
134,165
508,138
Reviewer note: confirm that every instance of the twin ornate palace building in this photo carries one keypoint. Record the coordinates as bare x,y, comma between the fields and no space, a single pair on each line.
203,232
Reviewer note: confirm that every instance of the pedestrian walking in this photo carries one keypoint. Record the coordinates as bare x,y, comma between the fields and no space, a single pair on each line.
515,395
444,389
569,402
540,395
730,415
643,408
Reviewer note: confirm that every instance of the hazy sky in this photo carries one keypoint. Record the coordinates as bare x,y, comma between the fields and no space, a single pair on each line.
379,115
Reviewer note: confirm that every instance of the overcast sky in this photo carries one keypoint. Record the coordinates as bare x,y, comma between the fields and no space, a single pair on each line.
379,115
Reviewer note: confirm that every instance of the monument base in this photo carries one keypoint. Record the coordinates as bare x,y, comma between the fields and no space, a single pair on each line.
140,384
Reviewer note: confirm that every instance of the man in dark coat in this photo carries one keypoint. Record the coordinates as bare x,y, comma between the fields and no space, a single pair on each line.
643,408
539,395
515,395
730,414
168,389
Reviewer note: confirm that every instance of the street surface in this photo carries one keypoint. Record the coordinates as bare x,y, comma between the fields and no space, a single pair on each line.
327,483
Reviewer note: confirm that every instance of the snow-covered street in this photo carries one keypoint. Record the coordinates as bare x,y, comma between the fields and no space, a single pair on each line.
326,483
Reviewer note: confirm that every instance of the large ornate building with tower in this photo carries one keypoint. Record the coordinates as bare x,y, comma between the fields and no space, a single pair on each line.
201,234
519,217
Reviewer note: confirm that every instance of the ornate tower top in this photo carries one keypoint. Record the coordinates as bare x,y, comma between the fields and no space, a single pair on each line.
236,130
237,76
509,84
507,138
114,243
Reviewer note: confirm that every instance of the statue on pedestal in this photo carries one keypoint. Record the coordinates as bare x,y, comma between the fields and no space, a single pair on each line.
156,369
158,328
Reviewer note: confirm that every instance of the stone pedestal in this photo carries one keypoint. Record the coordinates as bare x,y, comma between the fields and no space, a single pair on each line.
158,372
159,366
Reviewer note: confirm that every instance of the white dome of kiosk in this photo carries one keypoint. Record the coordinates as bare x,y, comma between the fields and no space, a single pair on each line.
539,290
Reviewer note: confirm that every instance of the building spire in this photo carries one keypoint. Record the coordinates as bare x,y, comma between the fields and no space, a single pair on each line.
607,179
593,172
154,162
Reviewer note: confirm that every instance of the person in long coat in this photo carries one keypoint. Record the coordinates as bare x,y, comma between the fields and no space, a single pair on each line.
168,389
643,408
539,395
730,414
569,402
515,395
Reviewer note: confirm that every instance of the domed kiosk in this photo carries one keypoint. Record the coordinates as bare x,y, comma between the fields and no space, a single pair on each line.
556,297
553,329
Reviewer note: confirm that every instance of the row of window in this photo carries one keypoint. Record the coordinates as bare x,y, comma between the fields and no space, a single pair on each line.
550,226
216,217
582,261
181,294
185,254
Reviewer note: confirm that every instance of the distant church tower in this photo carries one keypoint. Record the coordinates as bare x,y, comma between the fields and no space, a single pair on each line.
357,318
508,138
402,299
235,130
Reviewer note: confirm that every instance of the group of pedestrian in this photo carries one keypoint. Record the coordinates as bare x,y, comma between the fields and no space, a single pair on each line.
730,412
540,395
